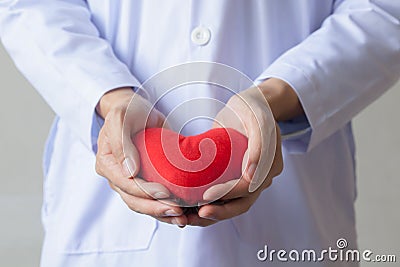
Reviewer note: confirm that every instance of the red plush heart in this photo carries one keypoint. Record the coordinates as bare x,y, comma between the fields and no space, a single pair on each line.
188,166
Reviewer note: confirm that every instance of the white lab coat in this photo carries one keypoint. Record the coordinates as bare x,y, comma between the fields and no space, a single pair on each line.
338,55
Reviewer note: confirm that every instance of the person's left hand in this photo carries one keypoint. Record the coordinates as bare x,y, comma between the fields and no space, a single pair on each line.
248,112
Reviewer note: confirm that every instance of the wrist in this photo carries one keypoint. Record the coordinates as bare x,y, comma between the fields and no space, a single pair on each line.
113,99
282,99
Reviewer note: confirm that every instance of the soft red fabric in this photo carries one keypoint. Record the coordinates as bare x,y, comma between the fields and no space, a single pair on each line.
188,166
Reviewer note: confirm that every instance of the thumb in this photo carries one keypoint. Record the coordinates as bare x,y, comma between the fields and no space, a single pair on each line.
123,150
130,157
252,155
261,157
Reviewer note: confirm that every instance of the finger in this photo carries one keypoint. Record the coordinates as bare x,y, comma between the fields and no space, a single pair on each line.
229,209
241,189
271,159
254,149
259,167
106,164
180,221
196,220
150,207
139,188
131,156
125,151
114,130
155,190
233,189
119,138
221,191
103,147
277,165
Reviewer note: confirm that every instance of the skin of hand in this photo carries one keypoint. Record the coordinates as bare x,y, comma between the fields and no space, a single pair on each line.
118,160
250,107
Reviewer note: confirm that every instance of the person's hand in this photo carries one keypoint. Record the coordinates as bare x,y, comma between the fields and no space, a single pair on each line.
118,160
248,112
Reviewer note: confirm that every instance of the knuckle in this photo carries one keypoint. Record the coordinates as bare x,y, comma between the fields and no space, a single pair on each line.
280,168
112,186
98,168
116,113
246,208
267,184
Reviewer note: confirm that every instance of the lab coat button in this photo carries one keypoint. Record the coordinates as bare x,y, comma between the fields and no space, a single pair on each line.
201,35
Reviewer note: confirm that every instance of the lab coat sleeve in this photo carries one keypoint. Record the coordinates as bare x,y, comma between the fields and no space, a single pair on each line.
59,50
352,59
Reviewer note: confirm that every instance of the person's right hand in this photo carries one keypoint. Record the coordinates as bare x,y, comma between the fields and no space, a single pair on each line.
118,160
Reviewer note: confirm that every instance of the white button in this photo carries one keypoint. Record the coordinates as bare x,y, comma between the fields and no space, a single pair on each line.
201,35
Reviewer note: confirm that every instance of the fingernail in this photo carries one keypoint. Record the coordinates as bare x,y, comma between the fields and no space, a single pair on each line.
251,170
160,195
171,213
176,222
128,167
209,217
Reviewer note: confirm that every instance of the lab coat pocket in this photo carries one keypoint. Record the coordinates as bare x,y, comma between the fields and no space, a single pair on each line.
108,227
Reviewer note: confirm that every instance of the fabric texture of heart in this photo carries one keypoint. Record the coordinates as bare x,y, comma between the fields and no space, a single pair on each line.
188,166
